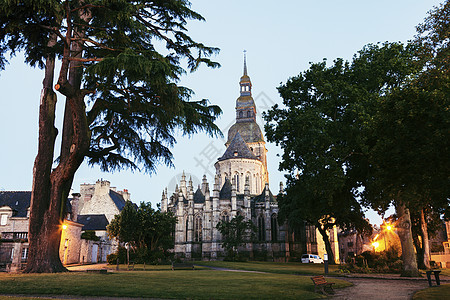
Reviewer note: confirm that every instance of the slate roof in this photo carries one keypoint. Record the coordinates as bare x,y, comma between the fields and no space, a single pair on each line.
238,149
262,197
93,222
249,130
118,199
225,192
17,201
198,196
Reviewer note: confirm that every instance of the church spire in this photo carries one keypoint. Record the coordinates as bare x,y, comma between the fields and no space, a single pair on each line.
245,63
245,83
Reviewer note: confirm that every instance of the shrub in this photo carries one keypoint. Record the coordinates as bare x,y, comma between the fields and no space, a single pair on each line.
369,262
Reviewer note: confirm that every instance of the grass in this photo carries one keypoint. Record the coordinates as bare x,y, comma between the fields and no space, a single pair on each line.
198,284
433,293
273,267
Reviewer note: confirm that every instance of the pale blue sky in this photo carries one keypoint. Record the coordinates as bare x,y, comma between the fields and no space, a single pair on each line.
281,38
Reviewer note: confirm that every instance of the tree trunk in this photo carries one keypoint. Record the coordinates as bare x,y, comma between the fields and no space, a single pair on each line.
409,268
327,243
44,231
419,250
425,241
51,188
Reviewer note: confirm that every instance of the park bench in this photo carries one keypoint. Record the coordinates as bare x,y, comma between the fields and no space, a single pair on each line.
436,277
182,266
321,282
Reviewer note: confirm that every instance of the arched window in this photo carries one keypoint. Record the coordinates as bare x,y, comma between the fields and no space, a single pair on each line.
248,179
198,228
236,178
261,229
241,114
274,227
225,217
249,114
187,227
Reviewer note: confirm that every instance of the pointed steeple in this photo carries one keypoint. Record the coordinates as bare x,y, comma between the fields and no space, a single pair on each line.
245,83
245,63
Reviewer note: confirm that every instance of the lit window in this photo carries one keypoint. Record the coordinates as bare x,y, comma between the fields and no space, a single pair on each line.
24,253
3,220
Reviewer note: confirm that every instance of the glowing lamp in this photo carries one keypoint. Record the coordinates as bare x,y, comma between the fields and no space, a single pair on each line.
375,245
389,227
64,227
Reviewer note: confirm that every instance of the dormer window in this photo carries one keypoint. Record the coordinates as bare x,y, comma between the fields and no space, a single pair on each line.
3,219
235,153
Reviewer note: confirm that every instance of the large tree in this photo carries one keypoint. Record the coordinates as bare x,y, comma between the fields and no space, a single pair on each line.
326,131
119,66
410,132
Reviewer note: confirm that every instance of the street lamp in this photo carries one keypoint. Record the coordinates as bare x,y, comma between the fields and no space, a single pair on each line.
388,227
375,245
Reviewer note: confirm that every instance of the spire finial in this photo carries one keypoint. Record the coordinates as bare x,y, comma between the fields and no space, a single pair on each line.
245,62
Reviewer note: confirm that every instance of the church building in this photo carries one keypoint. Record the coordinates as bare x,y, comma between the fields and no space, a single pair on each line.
241,187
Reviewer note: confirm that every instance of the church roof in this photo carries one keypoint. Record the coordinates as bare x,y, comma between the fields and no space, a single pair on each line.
249,131
225,192
93,222
262,197
199,197
238,149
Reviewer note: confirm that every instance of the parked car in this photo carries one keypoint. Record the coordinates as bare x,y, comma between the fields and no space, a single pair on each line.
311,258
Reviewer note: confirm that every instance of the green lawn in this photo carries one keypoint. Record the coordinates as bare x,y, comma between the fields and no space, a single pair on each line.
273,267
198,284
434,293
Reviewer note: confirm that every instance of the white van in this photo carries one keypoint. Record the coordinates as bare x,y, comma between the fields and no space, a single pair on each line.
311,258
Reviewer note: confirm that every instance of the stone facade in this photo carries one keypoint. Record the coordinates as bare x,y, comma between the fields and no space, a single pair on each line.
241,187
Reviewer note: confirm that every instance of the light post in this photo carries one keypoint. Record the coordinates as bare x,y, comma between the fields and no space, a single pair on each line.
388,228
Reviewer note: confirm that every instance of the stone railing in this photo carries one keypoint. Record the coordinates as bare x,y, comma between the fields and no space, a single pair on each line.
14,236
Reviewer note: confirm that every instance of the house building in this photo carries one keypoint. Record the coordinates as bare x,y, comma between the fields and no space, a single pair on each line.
91,210
240,187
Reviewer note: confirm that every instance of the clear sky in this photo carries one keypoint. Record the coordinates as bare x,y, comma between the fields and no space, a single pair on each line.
281,38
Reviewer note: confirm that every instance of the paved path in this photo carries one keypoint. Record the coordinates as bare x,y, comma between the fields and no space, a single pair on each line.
380,289
80,268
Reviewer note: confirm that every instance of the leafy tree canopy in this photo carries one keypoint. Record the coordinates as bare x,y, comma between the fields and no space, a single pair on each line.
148,231
235,233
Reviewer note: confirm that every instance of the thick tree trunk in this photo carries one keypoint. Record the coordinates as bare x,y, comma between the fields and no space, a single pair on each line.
51,188
409,268
425,241
419,250
327,243
44,231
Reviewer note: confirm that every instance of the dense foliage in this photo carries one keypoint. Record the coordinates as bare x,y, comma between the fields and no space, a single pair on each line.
371,132
149,232
235,233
